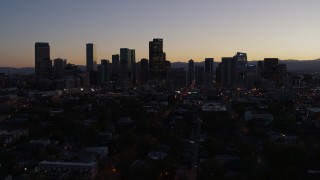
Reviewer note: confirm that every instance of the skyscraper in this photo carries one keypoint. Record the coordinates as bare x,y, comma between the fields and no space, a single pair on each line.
241,60
251,74
209,66
43,64
105,70
259,69
270,68
156,50
144,68
115,65
125,62
209,71
219,74
199,76
59,65
229,65
157,63
190,71
133,66
91,57
282,74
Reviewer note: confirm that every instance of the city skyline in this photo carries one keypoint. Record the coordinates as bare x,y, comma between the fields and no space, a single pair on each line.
191,30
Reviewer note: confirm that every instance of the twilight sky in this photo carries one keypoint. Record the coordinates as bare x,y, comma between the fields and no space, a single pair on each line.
191,29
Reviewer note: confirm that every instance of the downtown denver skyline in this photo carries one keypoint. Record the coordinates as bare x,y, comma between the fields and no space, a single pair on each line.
286,29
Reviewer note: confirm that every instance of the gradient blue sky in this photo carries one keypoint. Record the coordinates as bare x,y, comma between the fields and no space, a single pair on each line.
191,29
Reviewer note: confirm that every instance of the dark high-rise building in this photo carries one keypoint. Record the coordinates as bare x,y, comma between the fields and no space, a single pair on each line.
219,74
91,57
72,70
282,74
43,64
115,65
177,78
127,66
144,68
241,60
125,62
157,63
190,71
209,71
229,66
105,70
59,65
251,75
259,69
199,76
209,66
133,66
156,50
270,64
270,68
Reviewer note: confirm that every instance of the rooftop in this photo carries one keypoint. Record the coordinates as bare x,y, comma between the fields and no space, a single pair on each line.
213,106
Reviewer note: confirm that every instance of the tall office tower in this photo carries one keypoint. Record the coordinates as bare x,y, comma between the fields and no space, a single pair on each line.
241,60
157,63
209,66
115,65
133,66
91,57
138,73
229,66
209,71
282,74
219,74
43,64
125,62
190,71
105,70
199,76
270,68
144,70
251,75
59,65
259,69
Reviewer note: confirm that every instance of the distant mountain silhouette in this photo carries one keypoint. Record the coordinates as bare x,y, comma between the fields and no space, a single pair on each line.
27,70
292,65
12,70
302,65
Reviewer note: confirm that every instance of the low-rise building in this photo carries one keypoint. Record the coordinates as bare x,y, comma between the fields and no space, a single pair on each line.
88,170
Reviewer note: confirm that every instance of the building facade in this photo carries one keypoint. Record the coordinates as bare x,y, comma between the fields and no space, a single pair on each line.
115,65
177,78
91,57
191,72
229,66
209,71
105,72
59,65
157,63
43,64
144,68
242,62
